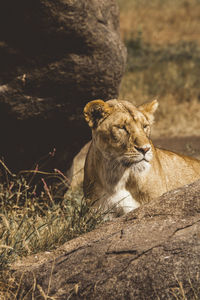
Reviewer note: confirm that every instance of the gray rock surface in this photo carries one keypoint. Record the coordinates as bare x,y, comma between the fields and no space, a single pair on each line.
151,253
55,56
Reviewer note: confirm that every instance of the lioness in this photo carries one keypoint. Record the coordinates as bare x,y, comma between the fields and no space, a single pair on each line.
123,169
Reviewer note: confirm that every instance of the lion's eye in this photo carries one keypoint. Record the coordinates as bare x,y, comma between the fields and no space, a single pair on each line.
118,132
120,128
145,126
124,128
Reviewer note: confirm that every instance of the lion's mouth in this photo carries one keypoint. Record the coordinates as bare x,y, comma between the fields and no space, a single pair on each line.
127,162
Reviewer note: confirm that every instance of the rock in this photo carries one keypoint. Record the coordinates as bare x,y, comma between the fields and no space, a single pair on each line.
151,253
55,56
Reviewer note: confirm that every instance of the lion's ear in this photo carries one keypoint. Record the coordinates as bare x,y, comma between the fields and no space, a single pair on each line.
96,111
148,109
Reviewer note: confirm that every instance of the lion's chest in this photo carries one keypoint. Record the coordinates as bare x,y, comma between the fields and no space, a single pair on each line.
125,191
123,199
120,197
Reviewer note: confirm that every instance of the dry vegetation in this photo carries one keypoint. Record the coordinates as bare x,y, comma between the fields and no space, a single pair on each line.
163,41
32,221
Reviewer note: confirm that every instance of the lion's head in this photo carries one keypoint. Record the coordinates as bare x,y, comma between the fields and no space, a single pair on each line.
121,131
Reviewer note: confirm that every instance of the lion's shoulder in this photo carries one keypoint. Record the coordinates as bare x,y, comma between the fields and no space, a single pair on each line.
123,158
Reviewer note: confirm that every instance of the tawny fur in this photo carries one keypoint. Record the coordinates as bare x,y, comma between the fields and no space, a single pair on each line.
123,169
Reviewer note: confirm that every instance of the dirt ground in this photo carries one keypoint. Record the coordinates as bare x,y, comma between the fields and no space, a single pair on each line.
185,145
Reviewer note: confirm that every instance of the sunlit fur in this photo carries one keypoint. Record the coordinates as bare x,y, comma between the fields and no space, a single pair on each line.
123,168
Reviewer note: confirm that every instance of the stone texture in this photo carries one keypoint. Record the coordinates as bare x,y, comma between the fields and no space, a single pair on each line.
151,253
55,56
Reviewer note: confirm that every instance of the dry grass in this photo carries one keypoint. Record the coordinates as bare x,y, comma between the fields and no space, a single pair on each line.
162,22
163,42
31,223
181,290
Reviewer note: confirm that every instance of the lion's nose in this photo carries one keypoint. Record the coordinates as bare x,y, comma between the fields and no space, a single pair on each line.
143,150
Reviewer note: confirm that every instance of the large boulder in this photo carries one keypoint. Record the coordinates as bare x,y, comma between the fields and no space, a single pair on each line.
55,55
151,253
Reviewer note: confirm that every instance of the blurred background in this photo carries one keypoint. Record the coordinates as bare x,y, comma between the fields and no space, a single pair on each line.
163,43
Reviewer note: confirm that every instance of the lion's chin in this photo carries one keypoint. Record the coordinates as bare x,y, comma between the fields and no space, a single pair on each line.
130,162
141,164
127,163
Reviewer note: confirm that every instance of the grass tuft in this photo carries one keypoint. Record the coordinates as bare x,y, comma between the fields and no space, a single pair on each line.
31,223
